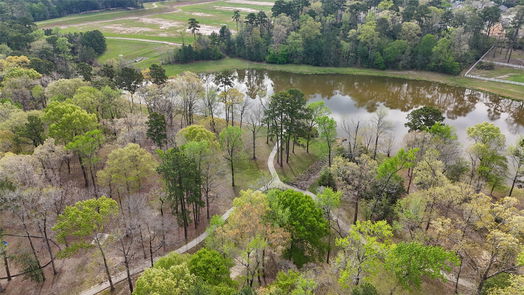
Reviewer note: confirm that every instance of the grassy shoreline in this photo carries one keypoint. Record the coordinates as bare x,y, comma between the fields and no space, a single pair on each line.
506,90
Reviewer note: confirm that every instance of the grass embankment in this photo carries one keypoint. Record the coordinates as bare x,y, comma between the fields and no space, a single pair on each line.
300,161
506,90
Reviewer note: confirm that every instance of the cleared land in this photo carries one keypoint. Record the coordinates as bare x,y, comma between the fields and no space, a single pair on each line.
158,21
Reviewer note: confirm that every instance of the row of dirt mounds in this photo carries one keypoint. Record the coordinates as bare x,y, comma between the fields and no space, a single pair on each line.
249,2
241,9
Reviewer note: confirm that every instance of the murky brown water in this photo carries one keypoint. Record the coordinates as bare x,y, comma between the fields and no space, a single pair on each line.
358,97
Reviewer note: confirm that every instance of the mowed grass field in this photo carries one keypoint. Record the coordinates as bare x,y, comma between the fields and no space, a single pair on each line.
503,73
159,21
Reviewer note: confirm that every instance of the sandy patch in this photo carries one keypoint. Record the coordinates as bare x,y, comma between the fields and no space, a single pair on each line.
163,24
201,14
127,30
251,2
206,30
241,9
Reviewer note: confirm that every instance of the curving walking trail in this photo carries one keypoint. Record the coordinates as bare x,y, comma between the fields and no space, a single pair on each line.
275,182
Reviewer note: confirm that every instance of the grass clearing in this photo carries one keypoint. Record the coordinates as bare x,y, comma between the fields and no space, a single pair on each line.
300,161
503,73
147,53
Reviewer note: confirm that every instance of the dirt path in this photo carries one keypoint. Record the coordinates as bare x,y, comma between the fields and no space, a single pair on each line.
145,40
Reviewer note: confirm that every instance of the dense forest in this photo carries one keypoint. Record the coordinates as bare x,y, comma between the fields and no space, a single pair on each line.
38,10
433,36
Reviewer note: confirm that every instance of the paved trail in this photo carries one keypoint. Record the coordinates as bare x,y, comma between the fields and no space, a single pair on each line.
275,182
119,277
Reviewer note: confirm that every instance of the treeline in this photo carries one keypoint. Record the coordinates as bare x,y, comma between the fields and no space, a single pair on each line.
38,10
383,35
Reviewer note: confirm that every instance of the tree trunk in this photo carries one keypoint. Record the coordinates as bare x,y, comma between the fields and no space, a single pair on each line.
151,259
108,273
308,138
287,148
84,173
6,264
183,211
254,142
128,272
93,180
514,182
376,147
207,203
162,224
44,230
458,275
232,172
329,154
355,216
142,241
232,115
410,174
33,249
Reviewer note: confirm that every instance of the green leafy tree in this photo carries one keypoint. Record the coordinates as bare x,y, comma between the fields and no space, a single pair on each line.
169,276
424,118
442,59
86,147
329,200
516,154
488,161
126,170
158,74
94,39
85,222
291,282
232,145
210,266
315,111
363,251
423,51
156,129
182,184
67,121
285,115
129,79
299,214
413,262
327,127
33,130
236,17
194,26
394,52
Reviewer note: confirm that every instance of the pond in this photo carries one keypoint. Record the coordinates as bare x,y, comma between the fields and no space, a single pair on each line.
355,98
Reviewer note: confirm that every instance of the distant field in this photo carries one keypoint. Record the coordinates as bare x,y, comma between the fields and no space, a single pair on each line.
160,21
139,53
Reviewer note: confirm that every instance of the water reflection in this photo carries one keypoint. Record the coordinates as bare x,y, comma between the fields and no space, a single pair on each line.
351,97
